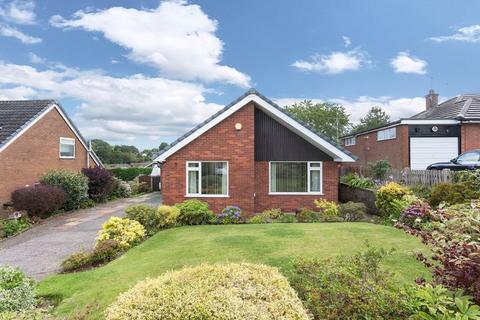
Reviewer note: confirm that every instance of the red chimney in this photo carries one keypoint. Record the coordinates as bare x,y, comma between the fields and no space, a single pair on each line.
431,99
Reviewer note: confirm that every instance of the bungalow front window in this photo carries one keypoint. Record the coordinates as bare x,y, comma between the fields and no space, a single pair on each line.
287,177
207,178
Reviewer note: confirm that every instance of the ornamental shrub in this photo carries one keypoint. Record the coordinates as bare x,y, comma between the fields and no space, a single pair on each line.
153,219
99,180
287,218
307,215
452,193
356,181
128,174
11,227
349,287
127,232
352,211
267,216
379,169
76,261
38,200
119,189
207,292
105,251
74,184
193,212
16,290
328,209
230,215
386,196
34,314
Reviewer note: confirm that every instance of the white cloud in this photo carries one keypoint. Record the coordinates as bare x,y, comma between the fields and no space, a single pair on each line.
11,32
177,38
19,11
467,34
36,59
113,108
346,41
405,63
396,107
334,63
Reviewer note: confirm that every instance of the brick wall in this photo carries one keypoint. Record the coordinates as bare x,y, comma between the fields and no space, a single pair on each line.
220,143
368,149
37,151
290,203
470,136
246,177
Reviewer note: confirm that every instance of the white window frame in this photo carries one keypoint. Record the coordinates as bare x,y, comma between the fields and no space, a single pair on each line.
199,169
309,169
69,141
389,137
350,141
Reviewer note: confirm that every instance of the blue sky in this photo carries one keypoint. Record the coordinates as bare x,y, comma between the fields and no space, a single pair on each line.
142,72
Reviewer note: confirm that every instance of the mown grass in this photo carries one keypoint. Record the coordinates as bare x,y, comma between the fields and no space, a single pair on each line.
272,244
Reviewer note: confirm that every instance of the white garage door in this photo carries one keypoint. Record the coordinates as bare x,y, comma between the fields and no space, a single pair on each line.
425,151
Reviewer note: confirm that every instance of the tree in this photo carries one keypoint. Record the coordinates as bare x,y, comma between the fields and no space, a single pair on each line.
329,119
103,150
374,118
163,146
116,154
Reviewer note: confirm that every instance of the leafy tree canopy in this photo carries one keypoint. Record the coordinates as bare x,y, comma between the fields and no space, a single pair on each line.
113,154
329,119
374,118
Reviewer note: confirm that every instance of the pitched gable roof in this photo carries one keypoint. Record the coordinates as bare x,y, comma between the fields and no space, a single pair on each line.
464,107
16,116
323,143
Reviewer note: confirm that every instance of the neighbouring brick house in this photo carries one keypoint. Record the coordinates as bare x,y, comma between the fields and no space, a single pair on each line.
440,133
36,136
253,155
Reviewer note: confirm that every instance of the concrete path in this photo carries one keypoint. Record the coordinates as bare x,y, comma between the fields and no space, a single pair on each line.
40,250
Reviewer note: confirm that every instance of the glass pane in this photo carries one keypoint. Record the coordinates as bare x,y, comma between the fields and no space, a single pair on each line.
193,165
193,182
288,177
214,178
469,157
315,164
67,150
315,181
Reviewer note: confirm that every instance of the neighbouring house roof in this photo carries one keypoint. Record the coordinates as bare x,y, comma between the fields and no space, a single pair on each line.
17,116
458,109
320,141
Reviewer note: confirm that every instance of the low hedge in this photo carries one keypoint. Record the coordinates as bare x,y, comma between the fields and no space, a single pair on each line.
220,291
128,174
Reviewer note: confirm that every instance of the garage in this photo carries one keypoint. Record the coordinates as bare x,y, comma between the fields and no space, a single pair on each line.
425,151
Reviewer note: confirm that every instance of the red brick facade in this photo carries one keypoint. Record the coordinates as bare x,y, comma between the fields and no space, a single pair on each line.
37,151
368,149
248,180
470,136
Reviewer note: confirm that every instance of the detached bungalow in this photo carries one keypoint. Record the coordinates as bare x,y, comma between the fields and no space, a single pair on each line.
440,133
253,155
36,136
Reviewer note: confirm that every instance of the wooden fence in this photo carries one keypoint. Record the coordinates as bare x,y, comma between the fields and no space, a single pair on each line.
407,176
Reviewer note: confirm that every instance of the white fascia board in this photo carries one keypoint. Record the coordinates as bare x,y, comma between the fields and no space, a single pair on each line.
337,154
440,121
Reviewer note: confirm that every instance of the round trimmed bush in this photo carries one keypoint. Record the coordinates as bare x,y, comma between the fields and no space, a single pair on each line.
38,200
127,232
16,290
153,219
74,184
386,196
220,291
194,212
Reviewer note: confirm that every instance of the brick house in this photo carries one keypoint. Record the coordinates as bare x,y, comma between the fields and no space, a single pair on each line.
253,155
439,133
36,136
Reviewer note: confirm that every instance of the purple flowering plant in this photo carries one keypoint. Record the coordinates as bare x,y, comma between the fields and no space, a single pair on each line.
229,215
416,215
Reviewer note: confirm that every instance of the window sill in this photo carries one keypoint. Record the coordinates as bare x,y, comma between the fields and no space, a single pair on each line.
386,139
67,158
296,194
207,196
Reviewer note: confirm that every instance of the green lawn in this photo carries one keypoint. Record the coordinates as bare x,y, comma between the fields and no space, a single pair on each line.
273,244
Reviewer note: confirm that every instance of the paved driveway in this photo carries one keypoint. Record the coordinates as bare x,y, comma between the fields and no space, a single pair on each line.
40,250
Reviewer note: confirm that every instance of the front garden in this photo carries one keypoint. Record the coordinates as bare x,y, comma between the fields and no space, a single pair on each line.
348,266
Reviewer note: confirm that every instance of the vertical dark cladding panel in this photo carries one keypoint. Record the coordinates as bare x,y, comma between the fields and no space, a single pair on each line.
275,142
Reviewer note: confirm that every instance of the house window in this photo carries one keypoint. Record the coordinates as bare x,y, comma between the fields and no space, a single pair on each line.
350,141
207,178
67,148
295,177
387,134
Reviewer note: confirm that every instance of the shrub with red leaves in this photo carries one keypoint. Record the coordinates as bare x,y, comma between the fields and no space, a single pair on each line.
39,200
453,234
99,180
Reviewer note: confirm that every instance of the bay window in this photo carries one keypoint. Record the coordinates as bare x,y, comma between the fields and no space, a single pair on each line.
207,178
288,177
